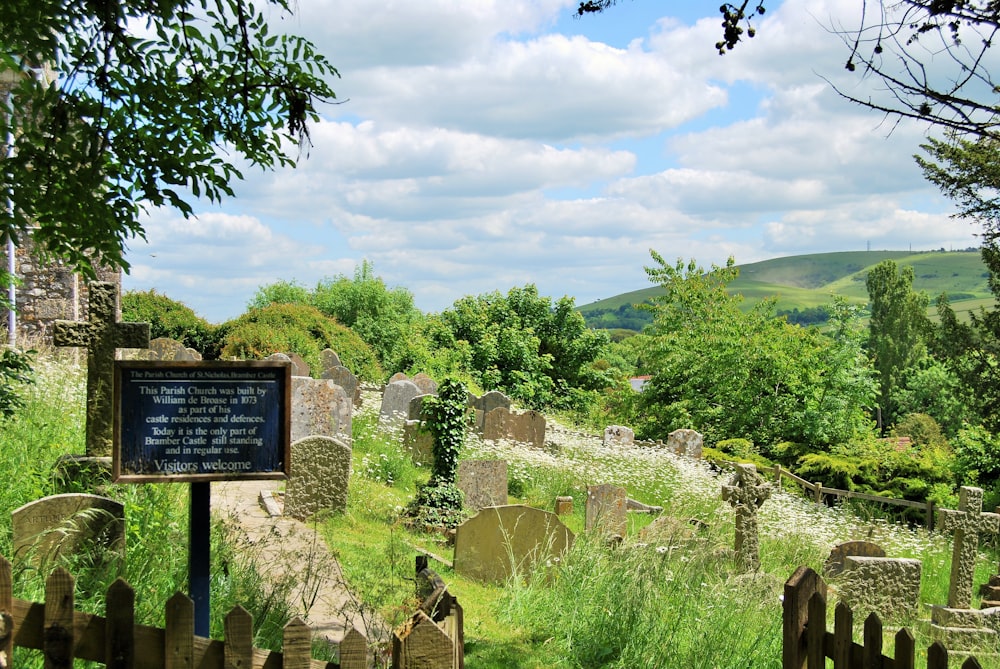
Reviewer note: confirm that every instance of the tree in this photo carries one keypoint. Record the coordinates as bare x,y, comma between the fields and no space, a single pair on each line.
157,102
893,43
732,373
898,330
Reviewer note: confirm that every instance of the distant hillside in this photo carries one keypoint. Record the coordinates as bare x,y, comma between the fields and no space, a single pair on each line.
804,283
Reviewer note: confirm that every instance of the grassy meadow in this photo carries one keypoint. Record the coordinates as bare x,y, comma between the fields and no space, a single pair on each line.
808,281
667,599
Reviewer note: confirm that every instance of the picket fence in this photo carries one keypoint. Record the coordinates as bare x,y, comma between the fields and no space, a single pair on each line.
807,643
62,633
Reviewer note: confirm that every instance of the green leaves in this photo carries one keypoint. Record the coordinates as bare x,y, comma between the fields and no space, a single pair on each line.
138,119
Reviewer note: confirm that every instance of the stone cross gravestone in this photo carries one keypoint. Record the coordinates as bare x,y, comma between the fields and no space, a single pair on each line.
484,483
747,492
319,472
501,538
65,524
967,524
606,510
101,335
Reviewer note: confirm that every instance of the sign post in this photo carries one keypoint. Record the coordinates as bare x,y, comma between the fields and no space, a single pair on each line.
200,422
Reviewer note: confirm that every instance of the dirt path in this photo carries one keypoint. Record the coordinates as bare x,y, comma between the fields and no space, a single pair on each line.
289,550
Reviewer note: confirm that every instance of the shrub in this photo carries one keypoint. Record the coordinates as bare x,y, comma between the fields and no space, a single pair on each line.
170,318
922,429
301,329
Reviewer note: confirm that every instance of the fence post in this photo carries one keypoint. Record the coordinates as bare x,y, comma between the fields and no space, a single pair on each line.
930,515
6,614
353,650
58,627
795,614
777,476
843,636
872,654
179,635
818,492
296,644
238,630
119,628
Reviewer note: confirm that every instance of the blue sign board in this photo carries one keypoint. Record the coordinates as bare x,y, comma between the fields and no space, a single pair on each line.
201,421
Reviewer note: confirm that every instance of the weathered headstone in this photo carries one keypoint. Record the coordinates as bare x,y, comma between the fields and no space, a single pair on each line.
747,492
967,524
65,524
491,400
419,442
605,511
616,436
838,556
163,348
484,483
685,442
396,402
564,505
329,359
398,376
319,473
501,538
525,428
415,409
319,407
427,385
101,335
344,378
889,587
640,507
299,366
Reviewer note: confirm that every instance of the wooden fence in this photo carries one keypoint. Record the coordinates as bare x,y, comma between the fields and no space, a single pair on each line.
807,643
62,633
817,491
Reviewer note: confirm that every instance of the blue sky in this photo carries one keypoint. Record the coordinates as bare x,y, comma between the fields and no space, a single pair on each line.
485,145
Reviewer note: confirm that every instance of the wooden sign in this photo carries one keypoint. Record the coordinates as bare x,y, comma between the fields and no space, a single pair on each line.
201,421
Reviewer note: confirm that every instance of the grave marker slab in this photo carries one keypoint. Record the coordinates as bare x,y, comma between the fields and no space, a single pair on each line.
889,587
489,543
101,335
396,402
617,436
605,511
329,359
427,385
320,471
525,428
484,483
967,524
319,407
65,524
344,378
747,492
838,556
685,442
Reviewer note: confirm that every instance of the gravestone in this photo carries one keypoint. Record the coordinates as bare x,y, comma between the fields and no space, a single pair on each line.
299,366
484,483
398,376
617,436
685,442
163,348
419,442
639,507
835,563
427,385
525,428
344,378
605,511
889,587
416,407
319,407
101,335
329,359
564,505
967,524
396,403
318,476
747,492
501,538
487,403
66,524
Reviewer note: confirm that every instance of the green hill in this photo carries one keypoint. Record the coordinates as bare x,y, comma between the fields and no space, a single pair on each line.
806,282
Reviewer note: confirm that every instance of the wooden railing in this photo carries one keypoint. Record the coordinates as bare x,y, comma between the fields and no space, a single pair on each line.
62,633
816,491
807,643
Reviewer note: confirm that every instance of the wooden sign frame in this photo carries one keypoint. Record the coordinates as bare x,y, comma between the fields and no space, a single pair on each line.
201,421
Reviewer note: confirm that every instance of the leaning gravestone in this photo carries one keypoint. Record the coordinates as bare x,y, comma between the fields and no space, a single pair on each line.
747,492
484,483
299,367
685,442
101,335
345,379
66,524
319,472
396,402
618,436
838,556
525,428
605,511
499,538
319,407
